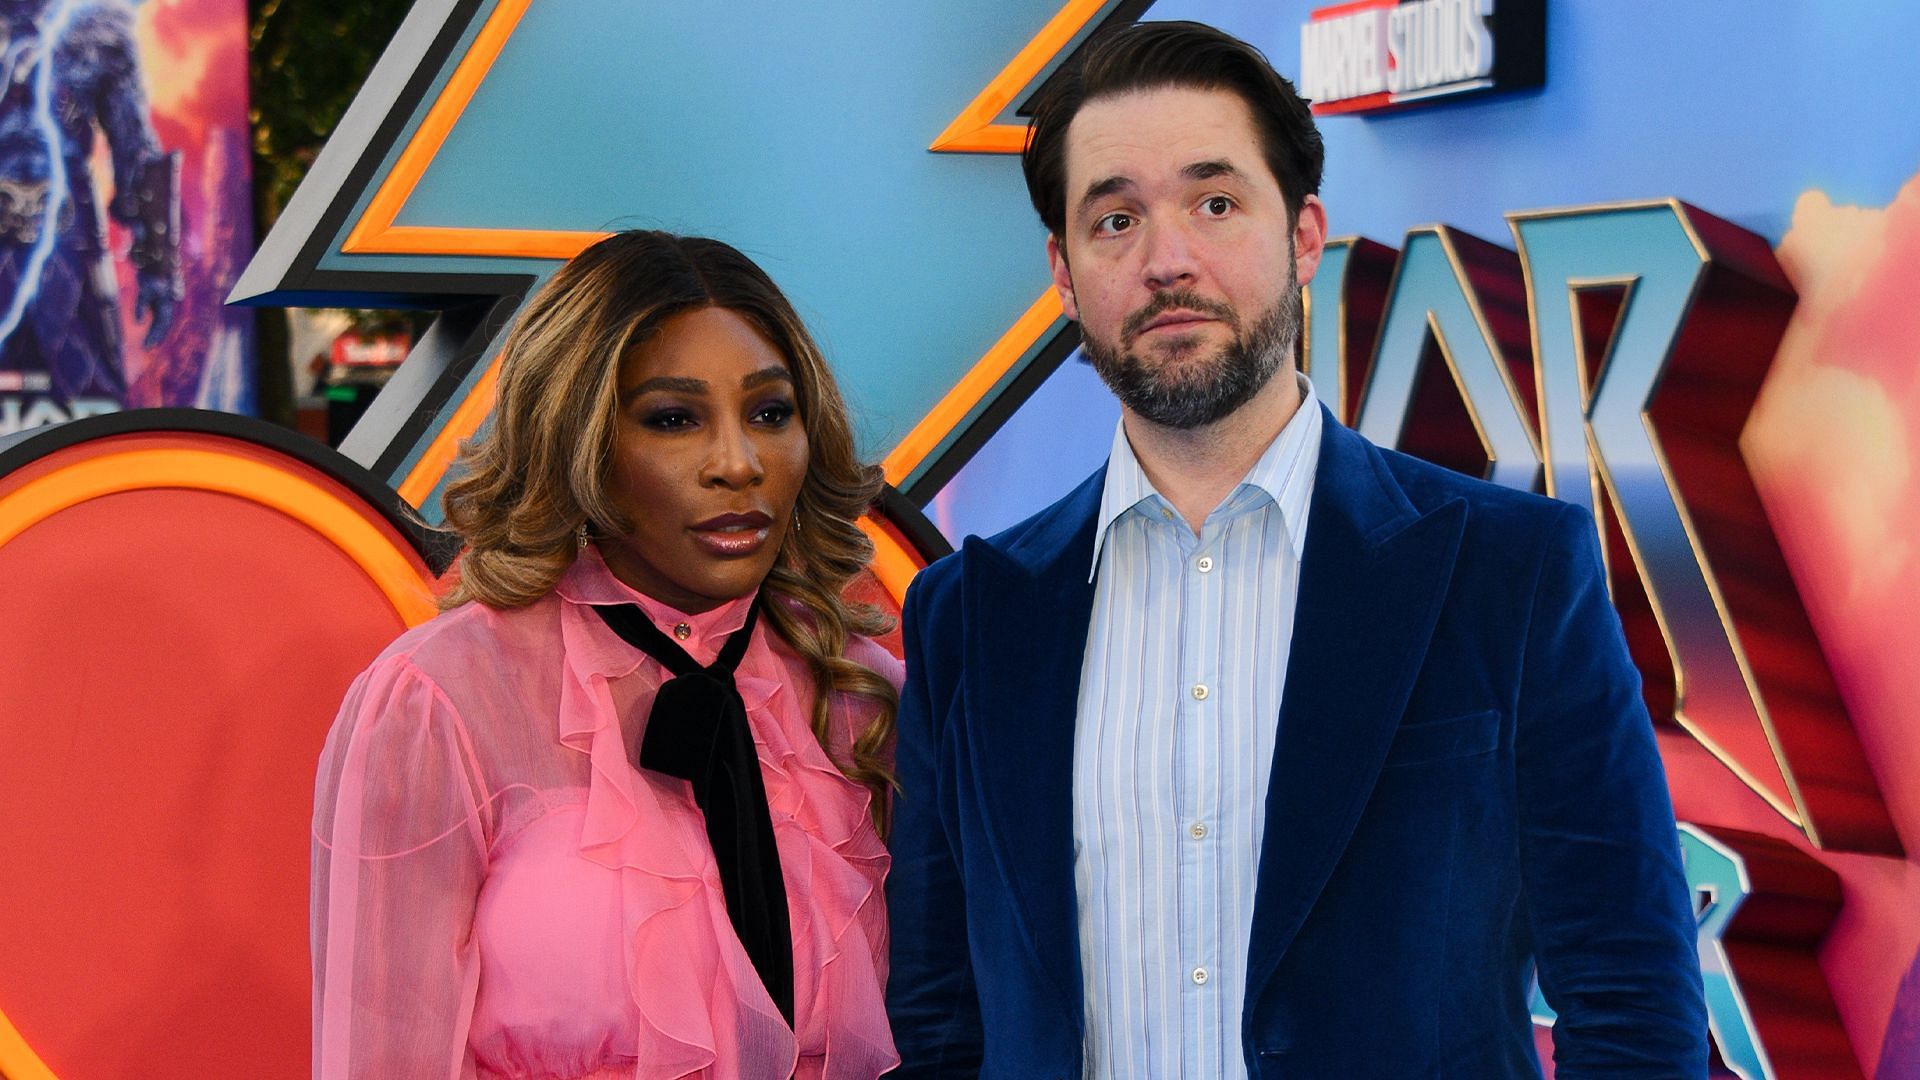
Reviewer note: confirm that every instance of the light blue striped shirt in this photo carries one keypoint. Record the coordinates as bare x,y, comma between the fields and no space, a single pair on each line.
1173,744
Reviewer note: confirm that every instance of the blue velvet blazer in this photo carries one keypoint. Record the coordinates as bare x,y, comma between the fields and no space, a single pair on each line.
1465,783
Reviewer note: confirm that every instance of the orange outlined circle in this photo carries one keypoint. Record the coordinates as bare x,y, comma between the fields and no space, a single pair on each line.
321,510
894,562
205,470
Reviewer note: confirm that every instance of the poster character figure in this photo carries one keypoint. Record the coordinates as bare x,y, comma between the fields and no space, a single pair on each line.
67,68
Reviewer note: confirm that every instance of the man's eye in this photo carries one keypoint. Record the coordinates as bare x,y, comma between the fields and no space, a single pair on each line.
1114,223
1217,205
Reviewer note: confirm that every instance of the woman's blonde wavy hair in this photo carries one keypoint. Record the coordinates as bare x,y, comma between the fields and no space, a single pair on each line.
540,470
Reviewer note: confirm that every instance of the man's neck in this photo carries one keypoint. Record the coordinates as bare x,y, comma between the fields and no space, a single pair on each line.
1196,468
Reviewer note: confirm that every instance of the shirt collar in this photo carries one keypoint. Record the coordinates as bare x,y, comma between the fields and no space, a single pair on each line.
590,582
1284,473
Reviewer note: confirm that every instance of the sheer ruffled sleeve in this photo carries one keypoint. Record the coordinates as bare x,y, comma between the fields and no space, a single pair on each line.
399,851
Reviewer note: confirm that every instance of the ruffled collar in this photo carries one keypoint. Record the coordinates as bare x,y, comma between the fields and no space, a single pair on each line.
590,582
594,656
835,871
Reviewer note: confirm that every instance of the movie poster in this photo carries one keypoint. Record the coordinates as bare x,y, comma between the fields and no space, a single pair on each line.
125,207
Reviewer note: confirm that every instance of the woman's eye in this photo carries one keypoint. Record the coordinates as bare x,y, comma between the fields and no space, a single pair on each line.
775,413
1114,223
668,419
1217,205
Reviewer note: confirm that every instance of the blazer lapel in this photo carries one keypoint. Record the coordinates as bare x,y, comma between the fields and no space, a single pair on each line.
1028,604
1373,578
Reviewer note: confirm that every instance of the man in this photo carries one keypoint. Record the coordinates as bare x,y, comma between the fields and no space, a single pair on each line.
1265,752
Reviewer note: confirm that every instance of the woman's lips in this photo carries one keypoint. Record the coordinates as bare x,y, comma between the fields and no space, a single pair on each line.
733,536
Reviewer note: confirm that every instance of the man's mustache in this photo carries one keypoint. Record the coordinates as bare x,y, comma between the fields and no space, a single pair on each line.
1175,300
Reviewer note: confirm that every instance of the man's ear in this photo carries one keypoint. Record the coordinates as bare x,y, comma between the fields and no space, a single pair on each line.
1062,277
1309,237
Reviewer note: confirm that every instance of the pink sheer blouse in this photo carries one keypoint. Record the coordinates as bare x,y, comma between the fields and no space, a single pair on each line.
497,892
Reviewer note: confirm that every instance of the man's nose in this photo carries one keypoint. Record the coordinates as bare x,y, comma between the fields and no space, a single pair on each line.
732,460
1168,254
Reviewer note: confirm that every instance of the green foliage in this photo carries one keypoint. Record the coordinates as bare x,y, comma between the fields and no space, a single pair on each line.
308,59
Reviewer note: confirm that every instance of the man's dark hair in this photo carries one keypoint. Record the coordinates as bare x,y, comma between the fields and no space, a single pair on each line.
1152,55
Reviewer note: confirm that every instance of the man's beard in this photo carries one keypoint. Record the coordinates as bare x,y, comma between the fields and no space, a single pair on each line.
1186,393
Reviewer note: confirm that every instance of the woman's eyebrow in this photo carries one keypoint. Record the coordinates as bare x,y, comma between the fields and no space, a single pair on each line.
766,375
674,383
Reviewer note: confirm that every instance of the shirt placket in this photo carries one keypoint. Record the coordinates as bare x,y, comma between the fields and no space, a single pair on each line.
1197,797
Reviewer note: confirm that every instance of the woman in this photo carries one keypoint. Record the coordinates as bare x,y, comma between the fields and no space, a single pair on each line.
617,811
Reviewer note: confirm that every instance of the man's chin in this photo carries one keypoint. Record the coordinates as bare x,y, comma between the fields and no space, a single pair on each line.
1191,381
1183,402
1193,370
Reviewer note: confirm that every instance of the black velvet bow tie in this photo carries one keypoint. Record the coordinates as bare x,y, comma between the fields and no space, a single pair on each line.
698,731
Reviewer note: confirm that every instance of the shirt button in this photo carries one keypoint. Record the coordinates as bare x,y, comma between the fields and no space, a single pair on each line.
1198,830
1199,976
1199,691
1205,564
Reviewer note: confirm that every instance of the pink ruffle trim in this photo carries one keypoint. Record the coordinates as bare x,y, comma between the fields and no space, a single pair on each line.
701,1004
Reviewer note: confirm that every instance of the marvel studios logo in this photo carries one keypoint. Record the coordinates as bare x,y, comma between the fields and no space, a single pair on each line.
1370,56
